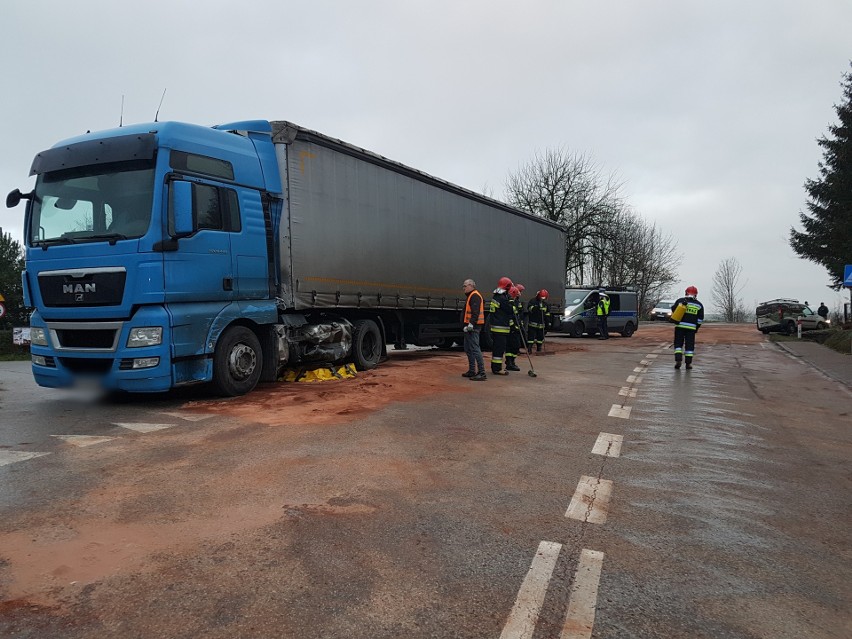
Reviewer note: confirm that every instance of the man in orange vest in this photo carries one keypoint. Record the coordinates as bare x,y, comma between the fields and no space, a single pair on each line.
474,319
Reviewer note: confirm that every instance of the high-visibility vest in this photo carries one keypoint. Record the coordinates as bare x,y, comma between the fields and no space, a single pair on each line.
481,319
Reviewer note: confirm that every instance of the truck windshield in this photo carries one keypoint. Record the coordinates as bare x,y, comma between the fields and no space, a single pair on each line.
106,202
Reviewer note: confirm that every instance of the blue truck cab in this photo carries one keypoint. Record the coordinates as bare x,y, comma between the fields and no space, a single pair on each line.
143,244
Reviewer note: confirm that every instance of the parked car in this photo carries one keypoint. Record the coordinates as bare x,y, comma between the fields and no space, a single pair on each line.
662,311
580,315
782,315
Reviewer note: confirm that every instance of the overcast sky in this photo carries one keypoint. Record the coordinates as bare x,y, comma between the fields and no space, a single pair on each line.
707,111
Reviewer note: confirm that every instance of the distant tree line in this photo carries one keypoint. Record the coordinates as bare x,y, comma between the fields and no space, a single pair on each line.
607,242
11,267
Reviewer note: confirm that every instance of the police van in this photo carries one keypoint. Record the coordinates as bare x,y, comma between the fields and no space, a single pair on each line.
580,314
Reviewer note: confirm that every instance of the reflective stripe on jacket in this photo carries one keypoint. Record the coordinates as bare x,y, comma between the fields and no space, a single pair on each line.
694,315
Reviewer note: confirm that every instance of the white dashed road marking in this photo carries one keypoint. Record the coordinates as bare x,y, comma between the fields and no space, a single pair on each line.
618,410
83,440
652,356
626,391
608,445
634,379
12,456
591,500
522,619
584,597
640,369
645,362
190,417
145,428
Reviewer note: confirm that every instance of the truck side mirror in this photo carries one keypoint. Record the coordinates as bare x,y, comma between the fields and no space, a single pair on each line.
182,203
14,198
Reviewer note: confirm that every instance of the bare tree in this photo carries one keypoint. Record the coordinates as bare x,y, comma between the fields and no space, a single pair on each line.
727,288
607,243
566,188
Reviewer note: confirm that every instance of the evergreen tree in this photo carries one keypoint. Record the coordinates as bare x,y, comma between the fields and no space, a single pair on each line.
11,267
827,235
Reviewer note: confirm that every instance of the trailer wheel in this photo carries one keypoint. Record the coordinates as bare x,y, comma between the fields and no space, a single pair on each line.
628,329
366,344
237,362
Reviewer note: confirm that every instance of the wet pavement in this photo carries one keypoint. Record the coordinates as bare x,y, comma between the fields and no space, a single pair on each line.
836,365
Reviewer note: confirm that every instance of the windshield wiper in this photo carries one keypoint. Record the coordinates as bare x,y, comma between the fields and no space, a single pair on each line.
54,240
112,237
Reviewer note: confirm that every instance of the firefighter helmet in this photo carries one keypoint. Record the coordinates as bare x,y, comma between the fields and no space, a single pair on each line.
521,288
514,293
543,293
505,283
691,291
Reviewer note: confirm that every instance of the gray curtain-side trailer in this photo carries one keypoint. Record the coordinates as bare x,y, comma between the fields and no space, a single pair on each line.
364,236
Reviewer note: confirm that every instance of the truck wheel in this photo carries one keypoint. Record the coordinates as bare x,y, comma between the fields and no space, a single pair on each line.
237,362
628,329
366,344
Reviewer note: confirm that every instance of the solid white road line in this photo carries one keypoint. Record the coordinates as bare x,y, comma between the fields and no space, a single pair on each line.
626,391
608,445
522,619
620,411
591,500
584,596
12,456
144,428
83,440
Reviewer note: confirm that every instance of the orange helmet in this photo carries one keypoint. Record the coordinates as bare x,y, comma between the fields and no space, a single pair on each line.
543,293
691,291
514,293
505,283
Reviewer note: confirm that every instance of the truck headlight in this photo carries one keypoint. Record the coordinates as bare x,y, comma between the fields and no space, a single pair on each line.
38,336
145,336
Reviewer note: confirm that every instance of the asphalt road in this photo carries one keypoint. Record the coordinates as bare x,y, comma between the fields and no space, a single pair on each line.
610,496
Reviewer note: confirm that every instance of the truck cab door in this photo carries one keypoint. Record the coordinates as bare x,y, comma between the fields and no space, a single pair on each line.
199,268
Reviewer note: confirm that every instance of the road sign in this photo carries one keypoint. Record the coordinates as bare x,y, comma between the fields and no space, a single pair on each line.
847,275
2,309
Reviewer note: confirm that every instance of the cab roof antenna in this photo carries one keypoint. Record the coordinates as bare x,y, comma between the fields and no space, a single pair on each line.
157,114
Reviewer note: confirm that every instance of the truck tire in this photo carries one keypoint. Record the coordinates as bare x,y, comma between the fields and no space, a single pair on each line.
366,344
628,329
237,362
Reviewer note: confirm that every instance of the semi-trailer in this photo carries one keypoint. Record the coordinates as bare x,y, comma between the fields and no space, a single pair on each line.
165,254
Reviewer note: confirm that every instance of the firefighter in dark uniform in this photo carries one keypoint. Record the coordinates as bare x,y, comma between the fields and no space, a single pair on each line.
513,344
500,319
687,327
521,309
539,319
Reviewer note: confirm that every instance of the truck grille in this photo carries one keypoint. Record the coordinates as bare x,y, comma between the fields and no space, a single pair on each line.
103,339
82,287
